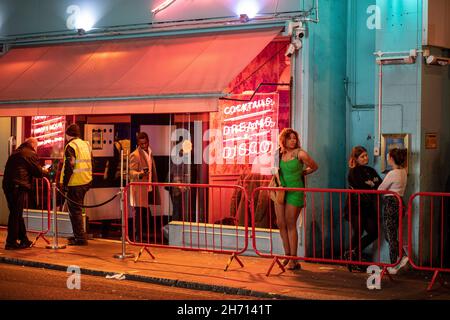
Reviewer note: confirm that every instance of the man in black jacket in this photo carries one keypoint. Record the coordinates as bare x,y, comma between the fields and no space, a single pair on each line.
20,168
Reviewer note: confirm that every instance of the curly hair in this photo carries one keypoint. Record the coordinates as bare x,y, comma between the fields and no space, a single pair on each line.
285,133
354,155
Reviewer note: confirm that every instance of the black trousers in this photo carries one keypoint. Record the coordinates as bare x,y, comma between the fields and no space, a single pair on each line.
77,194
141,226
16,198
369,224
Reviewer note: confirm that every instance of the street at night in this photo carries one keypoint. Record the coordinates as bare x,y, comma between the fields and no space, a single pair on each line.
26,283
189,150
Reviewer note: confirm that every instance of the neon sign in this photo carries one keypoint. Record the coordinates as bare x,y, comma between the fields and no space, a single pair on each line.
49,131
249,130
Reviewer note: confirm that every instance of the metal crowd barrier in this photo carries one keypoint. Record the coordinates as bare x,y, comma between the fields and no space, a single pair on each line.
325,229
37,211
200,220
428,244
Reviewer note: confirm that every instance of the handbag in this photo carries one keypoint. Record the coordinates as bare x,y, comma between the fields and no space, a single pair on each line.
277,196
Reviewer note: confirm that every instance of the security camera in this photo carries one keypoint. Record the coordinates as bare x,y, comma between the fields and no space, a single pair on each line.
290,50
291,26
433,60
297,44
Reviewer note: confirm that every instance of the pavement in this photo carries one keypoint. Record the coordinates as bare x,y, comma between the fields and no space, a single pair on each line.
205,271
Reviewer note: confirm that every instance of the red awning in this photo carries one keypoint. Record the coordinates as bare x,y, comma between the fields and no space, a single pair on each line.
147,75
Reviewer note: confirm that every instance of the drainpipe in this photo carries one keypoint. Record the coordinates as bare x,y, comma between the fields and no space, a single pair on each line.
377,150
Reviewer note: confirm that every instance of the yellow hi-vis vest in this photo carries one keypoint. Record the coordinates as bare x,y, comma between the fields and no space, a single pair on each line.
82,171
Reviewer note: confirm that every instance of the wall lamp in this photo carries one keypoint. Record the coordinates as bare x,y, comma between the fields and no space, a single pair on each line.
81,31
390,60
244,18
440,61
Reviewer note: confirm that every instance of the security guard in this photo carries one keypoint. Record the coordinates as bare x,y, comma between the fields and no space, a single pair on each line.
76,179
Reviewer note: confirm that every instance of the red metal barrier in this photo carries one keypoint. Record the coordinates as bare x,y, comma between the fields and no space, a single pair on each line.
201,217
326,233
429,251
38,209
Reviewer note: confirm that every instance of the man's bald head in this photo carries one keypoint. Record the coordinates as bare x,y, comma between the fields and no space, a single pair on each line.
33,142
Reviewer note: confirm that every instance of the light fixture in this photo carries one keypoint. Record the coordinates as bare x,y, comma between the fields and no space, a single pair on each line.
386,59
441,61
396,60
162,6
244,18
85,21
81,31
249,8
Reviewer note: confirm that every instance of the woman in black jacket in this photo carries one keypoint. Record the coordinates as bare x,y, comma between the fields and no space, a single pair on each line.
362,177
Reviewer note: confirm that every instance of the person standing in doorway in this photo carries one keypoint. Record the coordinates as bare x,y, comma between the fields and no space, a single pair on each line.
21,166
76,179
295,164
142,169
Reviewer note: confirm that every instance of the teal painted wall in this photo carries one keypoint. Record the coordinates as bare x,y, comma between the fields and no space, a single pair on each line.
324,122
323,76
402,31
361,74
399,30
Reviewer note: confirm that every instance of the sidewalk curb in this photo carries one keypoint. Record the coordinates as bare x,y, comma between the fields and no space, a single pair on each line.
153,280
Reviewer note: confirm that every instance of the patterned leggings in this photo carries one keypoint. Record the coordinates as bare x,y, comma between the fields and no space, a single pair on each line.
391,219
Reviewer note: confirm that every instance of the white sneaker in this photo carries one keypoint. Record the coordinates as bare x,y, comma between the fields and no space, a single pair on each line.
401,264
392,270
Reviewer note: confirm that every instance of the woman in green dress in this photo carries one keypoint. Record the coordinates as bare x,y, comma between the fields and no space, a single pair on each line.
295,163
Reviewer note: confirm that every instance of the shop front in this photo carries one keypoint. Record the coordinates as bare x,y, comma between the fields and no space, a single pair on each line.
211,103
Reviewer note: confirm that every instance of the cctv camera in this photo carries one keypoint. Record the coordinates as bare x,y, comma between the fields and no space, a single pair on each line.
433,60
290,50
297,44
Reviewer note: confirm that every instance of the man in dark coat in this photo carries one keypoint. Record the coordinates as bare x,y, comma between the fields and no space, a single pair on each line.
20,169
